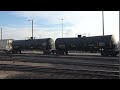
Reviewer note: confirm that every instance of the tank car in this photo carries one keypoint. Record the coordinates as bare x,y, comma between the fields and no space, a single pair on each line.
106,45
45,45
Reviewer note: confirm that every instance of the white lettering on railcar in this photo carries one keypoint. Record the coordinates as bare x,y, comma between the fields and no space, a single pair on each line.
61,46
44,44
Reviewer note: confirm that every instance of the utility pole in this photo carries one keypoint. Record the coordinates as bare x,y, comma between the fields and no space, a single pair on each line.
103,21
62,27
1,33
119,44
32,27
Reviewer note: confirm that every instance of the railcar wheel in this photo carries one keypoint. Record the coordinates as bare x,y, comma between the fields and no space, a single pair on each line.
20,52
47,52
104,54
113,54
60,52
44,52
66,52
53,53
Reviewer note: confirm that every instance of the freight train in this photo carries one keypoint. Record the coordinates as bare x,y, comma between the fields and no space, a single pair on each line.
46,45
106,45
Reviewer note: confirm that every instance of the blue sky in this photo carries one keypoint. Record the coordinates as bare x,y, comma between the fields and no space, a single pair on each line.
15,24
6,18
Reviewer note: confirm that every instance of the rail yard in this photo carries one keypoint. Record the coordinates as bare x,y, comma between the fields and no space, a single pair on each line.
85,56
31,65
93,57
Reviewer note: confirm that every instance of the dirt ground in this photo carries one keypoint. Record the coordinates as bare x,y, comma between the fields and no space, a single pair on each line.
34,75
6,74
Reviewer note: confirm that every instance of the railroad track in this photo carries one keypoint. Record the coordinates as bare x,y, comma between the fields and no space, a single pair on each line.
102,59
107,65
54,59
80,64
87,57
86,73
108,69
